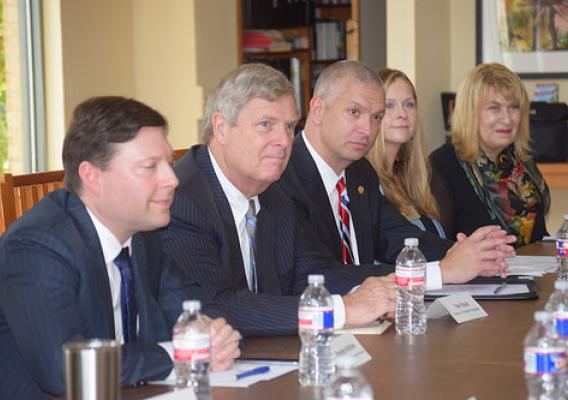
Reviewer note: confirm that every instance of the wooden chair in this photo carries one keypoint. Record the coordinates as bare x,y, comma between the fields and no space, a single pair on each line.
18,193
179,153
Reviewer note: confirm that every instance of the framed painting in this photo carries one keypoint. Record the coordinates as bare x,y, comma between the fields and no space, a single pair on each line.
528,36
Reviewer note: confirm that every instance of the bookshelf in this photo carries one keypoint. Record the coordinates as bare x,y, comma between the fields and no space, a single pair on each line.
316,33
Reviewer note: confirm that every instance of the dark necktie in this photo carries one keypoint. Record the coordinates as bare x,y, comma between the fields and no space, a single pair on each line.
127,296
344,214
251,232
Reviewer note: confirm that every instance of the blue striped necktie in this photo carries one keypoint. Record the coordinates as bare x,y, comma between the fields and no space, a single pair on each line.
127,296
251,232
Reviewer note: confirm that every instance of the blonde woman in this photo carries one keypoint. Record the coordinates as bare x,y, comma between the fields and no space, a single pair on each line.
486,176
399,158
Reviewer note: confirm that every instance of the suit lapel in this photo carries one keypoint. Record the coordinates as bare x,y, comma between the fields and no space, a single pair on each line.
226,215
359,206
96,267
317,197
265,262
152,325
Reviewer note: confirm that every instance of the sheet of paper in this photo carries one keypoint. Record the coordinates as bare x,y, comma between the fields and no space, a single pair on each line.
348,345
374,328
531,265
181,394
228,378
480,290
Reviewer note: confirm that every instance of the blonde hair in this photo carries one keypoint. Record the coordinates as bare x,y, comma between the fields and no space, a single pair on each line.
408,185
465,124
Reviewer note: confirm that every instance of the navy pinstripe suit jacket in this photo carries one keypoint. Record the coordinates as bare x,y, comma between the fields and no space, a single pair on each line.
203,240
379,227
54,288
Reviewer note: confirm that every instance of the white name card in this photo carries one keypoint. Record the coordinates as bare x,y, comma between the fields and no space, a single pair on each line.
348,345
462,307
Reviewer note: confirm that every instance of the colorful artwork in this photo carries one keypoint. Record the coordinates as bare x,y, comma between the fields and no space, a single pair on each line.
533,25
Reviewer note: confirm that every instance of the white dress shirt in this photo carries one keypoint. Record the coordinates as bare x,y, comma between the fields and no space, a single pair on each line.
239,204
111,249
330,178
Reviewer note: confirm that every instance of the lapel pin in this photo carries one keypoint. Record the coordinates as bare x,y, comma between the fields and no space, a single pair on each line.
361,190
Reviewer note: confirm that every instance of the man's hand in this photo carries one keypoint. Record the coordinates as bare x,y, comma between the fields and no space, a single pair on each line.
482,253
375,297
224,344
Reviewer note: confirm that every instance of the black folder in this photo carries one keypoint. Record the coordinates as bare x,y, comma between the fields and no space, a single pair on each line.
510,281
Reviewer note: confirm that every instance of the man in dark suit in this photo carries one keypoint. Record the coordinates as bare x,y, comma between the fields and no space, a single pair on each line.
344,119
226,188
76,267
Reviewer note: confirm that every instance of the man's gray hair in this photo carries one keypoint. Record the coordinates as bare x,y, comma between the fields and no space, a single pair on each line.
341,70
238,87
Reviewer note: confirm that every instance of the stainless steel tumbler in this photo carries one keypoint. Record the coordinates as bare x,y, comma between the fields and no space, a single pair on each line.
92,370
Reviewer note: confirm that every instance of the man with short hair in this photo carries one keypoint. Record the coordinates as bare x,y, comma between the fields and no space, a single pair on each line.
77,267
345,116
236,233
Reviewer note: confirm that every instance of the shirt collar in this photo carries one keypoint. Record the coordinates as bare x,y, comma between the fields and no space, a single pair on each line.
238,202
328,175
109,243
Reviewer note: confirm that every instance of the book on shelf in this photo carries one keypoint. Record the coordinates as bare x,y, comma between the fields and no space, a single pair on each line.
329,40
265,40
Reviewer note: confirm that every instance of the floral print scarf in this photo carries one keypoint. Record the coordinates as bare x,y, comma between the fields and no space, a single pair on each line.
511,191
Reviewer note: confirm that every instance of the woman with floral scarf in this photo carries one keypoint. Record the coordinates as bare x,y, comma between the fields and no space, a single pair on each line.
486,175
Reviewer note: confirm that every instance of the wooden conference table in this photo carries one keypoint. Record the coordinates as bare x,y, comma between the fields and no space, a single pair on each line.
481,358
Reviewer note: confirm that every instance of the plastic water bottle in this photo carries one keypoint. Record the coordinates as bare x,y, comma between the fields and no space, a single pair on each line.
545,359
558,305
410,272
349,383
315,327
562,250
192,343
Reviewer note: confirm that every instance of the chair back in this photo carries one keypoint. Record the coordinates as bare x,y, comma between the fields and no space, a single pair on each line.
19,193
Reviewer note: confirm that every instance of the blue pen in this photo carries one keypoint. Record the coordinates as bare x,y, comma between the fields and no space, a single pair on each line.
256,371
500,288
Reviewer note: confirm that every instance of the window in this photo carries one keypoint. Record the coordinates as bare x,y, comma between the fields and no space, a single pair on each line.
22,127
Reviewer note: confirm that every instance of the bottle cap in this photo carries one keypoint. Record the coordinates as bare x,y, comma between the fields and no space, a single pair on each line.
345,362
191,305
561,285
313,279
411,242
541,316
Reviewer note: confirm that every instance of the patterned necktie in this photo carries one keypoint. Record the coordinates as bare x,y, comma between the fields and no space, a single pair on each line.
344,215
251,232
127,296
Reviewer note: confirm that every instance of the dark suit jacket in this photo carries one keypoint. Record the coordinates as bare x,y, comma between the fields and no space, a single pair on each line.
203,240
461,208
54,288
379,227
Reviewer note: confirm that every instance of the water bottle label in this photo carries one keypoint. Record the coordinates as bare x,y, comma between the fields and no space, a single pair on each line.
410,276
191,349
545,361
561,323
315,318
561,248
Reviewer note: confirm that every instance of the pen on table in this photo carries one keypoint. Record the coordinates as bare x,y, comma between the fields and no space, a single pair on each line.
255,371
500,288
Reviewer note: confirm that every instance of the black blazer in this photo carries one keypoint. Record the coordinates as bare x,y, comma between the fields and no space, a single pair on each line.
379,227
203,240
54,288
461,208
